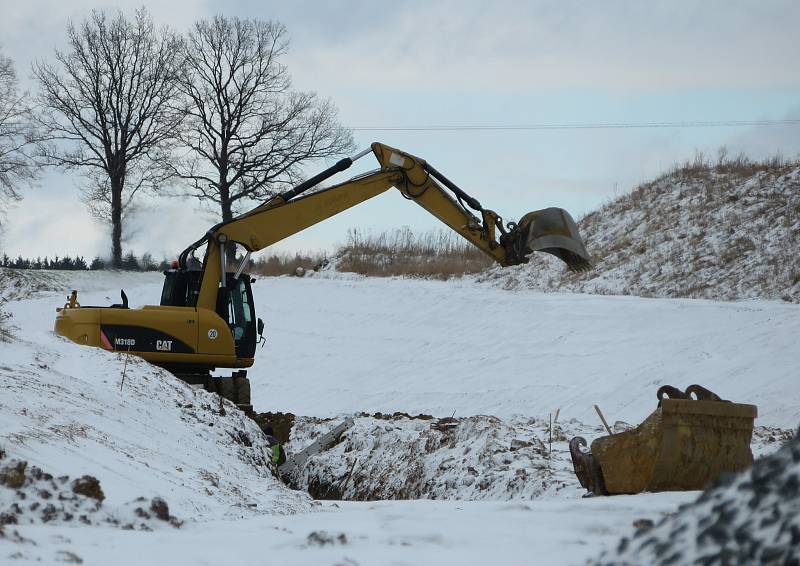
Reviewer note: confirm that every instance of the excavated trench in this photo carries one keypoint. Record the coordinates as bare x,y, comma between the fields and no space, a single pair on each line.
400,456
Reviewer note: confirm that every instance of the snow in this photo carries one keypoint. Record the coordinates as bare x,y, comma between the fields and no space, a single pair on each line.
343,346
482,458
390,532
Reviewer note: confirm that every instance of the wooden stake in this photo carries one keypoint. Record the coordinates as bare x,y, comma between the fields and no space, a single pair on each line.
124,367
602,418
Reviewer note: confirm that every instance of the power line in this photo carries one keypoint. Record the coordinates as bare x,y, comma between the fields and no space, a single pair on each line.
579,126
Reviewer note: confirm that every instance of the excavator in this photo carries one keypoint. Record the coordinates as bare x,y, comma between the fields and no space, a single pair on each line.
207,319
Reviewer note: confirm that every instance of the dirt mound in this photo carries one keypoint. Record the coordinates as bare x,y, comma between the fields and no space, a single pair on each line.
18,284
400,457
281,424
29,495
751,518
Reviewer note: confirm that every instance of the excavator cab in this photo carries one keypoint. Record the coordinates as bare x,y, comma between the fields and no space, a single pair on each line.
234,304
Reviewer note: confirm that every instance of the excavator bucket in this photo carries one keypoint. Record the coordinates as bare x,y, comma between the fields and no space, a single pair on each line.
687,443
553,231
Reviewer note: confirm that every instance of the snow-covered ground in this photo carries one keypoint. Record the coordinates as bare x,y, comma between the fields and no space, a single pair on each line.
390,532
340,346
349,345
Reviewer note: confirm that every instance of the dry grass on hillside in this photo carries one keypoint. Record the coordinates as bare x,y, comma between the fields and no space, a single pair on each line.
436,254
276,264
5,325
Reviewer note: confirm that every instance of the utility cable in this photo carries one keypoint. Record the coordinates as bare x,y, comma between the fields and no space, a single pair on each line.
579,126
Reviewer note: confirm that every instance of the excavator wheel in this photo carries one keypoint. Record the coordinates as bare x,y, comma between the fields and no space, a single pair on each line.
227,389
241,386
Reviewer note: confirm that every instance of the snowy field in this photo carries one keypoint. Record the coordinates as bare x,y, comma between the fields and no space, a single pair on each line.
347,345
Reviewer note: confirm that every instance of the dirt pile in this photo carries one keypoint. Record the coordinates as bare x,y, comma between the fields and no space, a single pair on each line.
281,424
750,518
18,284
402,457
29,495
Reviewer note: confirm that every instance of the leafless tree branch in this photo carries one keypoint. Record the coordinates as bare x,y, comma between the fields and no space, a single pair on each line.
246,132
18,138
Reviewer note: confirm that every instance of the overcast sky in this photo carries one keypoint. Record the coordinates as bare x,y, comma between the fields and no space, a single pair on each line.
471,63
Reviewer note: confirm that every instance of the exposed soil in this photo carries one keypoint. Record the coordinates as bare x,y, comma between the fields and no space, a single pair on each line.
281,424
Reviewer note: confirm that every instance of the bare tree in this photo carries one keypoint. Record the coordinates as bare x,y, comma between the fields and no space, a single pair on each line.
110,104
18,135
247,133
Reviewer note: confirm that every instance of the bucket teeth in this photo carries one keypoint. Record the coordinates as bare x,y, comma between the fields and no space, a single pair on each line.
553,231
586,467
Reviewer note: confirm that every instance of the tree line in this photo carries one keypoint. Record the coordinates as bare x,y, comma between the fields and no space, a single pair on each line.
130,262
134,108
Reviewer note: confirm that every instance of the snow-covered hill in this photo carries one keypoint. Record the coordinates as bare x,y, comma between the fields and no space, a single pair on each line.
67,411
715,232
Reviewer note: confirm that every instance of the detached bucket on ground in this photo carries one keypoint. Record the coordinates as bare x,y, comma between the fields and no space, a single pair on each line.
685,444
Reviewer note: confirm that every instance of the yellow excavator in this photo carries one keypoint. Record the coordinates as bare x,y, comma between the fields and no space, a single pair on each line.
207,320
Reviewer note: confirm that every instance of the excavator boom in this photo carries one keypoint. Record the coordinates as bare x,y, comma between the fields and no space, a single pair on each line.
551,230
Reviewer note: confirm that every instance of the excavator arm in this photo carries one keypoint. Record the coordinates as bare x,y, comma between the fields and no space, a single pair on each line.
550,230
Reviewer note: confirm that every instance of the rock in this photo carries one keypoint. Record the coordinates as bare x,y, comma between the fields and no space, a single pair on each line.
69,557
643,524
773,554
160,508
322,538
49,513
517,443
88,486
13,475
